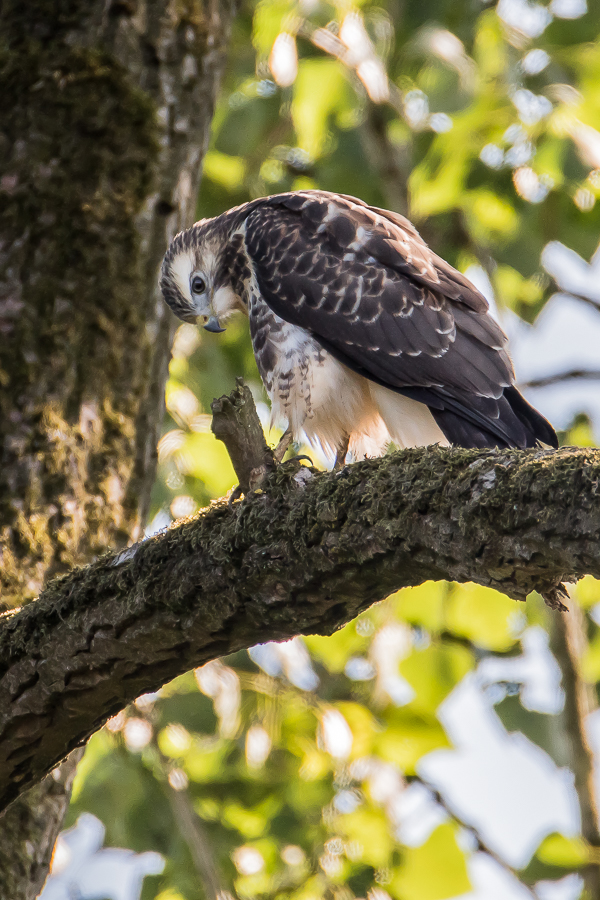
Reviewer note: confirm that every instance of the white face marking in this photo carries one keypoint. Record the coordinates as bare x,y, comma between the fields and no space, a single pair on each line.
224,302
186,266
182,267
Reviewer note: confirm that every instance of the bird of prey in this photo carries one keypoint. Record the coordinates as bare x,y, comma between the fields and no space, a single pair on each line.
362,335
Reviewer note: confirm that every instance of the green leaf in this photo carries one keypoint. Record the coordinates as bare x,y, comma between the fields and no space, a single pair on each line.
269,20
434,871
206,458
312,889
205,762
363,725
484,616
251,886
550,159
513,289
369,831
434,191
409,736
434,672
321,91
489,215
251,823
309,792
98,748
423,605
558,850
335,651
590,661
587,591
228,171
490,48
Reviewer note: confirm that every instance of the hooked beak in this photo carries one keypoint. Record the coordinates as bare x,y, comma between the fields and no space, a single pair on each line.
213,325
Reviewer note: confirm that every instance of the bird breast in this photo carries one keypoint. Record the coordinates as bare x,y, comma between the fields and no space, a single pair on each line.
315,395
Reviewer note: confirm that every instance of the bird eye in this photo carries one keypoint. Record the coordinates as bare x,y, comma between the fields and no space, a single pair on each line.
198,285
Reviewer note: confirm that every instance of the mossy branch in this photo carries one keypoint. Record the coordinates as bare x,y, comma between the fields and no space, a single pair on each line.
305,554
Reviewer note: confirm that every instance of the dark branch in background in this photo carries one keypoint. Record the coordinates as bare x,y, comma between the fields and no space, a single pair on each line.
194,834
558,378
304,555
482,846
569,643
584,299
188,822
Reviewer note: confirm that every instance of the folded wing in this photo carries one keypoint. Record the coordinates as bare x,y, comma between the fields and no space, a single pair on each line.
364,283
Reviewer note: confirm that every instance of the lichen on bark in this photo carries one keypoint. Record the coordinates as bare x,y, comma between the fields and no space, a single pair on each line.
97,172
80,158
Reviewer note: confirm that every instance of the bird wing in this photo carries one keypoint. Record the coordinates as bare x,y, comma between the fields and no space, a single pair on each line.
372,293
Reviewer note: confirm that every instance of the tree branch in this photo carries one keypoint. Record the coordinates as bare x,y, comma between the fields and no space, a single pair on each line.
560,377
304,555
187,821
481,845
589,300
236,423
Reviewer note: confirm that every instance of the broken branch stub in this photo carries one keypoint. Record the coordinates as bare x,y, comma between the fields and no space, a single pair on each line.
236,423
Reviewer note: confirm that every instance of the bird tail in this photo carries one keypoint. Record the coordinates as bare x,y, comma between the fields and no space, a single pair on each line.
509,421
539,430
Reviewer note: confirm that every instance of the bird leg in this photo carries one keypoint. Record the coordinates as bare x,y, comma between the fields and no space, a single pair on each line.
340,457
282,447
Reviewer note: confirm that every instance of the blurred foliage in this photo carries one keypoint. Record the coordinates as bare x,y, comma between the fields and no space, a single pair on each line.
479,123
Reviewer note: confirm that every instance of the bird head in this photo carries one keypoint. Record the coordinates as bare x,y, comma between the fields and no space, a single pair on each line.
195,281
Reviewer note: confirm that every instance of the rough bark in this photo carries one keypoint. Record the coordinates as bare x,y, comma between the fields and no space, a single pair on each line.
305,554
30,824
105,111
236,423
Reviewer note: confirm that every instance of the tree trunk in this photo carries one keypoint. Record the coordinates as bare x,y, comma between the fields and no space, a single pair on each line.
105,110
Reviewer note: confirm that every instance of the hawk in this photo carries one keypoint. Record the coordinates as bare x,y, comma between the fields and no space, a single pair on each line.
362,335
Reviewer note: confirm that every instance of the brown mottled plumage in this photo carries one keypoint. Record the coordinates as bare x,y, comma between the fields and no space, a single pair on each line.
359,330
